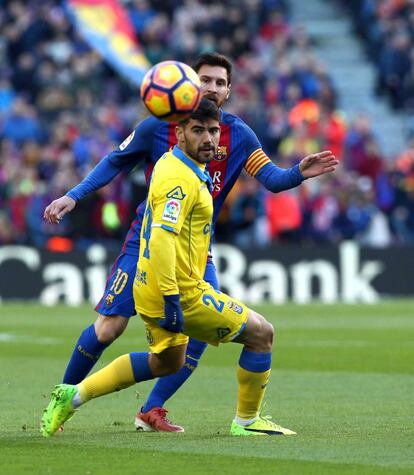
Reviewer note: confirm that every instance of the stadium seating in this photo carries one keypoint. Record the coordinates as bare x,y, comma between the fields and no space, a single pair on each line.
62,109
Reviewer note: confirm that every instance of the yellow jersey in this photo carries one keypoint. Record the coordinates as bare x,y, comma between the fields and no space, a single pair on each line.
175,234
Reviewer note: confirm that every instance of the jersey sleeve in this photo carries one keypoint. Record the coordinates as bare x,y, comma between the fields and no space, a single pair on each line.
259,166
172,201
136,147
99,176
271,176
256,161
250,138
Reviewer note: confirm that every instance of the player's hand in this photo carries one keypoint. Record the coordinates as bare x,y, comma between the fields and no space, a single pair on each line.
174,319
318,164
58,208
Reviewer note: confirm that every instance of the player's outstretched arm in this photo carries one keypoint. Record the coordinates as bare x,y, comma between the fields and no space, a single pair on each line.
58,209
318,164
132,150
277,179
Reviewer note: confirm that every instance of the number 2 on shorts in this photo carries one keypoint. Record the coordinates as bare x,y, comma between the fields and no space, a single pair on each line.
217,304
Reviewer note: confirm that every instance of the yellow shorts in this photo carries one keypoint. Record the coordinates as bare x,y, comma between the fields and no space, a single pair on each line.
214,318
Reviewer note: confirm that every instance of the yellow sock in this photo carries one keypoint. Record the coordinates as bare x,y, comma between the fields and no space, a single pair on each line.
114,377
252,387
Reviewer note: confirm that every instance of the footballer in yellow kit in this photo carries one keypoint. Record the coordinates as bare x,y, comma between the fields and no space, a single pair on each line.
179,210
175,239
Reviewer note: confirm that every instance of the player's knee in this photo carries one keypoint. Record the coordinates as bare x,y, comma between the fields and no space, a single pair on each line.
264,333
175,366
162,368
107,335
257,335
108,329
268,334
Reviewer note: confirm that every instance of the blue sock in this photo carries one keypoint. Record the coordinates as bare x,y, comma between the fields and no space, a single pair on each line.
255,362
87,352
140,366
167,386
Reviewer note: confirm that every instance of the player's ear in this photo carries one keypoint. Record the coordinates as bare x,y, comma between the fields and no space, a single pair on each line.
228,91
179,133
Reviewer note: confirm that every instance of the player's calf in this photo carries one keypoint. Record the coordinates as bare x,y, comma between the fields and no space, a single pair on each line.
91,344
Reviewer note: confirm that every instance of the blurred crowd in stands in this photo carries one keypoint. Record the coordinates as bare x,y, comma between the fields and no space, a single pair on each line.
387,26
62,109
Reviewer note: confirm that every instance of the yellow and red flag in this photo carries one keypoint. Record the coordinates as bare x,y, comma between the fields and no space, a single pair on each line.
105,25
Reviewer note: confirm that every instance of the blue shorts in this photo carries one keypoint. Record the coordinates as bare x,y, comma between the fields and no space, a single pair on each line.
118,297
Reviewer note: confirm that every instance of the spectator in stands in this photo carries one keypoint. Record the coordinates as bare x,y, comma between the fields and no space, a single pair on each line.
284,216
248,216
21,124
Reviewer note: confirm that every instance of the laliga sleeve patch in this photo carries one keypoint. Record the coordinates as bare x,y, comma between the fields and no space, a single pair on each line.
127,141
171,211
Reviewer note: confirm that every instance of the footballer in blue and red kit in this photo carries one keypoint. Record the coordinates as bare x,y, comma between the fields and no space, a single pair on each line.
239,149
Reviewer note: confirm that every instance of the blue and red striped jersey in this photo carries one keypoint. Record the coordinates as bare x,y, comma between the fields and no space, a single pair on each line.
238,148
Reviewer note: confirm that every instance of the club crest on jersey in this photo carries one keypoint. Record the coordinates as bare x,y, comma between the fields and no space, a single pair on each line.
109,299
150,338
221,153
141,277
176,193
171,211
127,141
235,307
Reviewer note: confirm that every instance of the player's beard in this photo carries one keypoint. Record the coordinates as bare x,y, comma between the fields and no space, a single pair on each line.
201,154
214,98
205,155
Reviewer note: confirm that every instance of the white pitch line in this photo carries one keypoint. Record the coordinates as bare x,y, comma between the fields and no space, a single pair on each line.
336,343
10,338
329,343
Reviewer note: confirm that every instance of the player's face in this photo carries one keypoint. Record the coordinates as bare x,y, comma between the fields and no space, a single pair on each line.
199,139
214,84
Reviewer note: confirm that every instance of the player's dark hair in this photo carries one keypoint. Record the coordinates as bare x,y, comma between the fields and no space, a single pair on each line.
214,59
206,110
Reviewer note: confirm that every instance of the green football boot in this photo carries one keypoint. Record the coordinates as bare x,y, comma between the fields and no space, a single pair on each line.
59,410
261,426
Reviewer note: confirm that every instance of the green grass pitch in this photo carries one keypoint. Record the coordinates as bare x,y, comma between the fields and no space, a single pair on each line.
343,378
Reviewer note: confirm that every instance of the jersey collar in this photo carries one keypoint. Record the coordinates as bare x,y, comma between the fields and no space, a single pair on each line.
203,175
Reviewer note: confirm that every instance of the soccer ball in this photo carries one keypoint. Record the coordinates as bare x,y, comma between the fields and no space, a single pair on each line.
171,91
